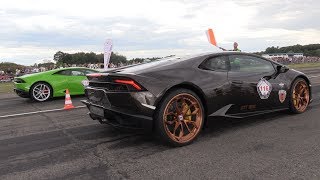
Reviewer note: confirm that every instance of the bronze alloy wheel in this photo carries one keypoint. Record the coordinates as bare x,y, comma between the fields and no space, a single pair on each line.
182,118
301,96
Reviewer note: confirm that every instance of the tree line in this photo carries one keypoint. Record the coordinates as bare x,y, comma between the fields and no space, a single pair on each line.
62,58
9,67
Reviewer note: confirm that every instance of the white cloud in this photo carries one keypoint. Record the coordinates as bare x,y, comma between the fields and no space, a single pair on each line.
143,28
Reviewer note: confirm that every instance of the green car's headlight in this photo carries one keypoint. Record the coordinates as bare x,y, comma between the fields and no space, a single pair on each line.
19,80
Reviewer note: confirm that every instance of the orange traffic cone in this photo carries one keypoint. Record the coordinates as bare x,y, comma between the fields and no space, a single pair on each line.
68,102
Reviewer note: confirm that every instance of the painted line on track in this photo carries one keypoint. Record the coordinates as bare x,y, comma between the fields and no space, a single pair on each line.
37,112
314,76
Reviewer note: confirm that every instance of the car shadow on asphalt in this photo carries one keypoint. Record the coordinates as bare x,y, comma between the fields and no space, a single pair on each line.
75,98
213,128
220,125
30,100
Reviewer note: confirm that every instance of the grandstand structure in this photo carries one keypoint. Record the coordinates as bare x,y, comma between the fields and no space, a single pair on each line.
283,55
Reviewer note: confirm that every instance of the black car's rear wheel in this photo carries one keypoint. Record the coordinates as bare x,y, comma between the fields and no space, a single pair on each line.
300,96
180,117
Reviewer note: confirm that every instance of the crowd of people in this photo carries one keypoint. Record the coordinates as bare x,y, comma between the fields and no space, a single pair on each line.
296,60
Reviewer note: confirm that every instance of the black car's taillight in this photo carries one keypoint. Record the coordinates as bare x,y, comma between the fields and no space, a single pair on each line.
113,83
129,82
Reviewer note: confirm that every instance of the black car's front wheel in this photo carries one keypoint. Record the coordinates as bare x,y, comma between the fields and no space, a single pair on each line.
180,117
40,91
300,96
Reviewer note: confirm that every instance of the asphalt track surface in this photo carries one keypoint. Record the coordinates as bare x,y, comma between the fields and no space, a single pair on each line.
69,145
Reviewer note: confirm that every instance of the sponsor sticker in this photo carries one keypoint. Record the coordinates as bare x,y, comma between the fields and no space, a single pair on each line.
264,88
282,95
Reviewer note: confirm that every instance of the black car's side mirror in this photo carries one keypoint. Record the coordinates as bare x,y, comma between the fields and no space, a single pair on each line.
282,69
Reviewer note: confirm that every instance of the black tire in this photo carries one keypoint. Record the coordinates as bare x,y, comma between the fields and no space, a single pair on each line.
33,95
293,103
162,127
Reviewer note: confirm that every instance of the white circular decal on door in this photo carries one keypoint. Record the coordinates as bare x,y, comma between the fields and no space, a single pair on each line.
264,88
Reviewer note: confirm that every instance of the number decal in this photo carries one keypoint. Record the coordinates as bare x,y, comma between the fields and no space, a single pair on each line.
264,89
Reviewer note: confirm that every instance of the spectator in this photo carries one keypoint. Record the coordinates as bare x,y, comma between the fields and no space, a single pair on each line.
296,60
235,47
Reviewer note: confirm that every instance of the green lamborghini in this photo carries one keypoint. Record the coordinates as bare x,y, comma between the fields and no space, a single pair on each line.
45,85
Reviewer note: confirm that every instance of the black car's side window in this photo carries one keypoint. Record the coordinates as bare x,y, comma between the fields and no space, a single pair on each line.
77,73
86,71
215,63
250,64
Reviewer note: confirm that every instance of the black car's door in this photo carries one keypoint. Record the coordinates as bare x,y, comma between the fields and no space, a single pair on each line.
252,85
214,82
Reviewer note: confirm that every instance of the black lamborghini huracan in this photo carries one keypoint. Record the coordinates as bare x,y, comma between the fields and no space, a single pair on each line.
174,97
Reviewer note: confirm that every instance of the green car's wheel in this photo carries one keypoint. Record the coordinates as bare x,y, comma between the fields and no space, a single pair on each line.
41,91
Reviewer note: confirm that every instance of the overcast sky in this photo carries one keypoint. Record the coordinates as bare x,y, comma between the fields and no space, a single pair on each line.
33,30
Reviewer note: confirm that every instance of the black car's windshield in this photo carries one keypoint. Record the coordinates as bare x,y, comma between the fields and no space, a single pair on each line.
147,63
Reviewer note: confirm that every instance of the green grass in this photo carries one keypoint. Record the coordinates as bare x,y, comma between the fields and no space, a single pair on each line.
6,87
304,65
